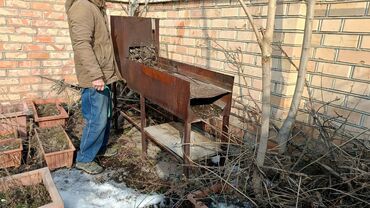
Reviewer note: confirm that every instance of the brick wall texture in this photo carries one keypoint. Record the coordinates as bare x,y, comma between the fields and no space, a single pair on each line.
34,40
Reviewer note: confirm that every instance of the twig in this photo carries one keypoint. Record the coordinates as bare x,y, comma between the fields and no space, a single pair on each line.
340,191
228,183
355,137
250,18
286,171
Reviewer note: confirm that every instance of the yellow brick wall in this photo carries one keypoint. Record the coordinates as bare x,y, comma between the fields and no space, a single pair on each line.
341,61
197,32
34,39
194,31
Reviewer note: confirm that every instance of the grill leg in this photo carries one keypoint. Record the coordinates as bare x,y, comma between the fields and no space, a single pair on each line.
225,128
144,141
187,162
225,119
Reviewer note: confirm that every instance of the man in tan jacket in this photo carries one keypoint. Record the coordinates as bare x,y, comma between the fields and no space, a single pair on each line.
95,68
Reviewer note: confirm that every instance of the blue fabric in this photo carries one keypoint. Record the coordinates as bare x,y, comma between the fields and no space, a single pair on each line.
96,110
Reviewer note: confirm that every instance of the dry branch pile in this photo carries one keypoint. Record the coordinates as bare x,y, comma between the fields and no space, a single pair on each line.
146,55
308,175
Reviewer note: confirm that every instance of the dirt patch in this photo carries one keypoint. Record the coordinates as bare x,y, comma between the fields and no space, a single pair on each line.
134,171
9,146
25,196
49,109
53,139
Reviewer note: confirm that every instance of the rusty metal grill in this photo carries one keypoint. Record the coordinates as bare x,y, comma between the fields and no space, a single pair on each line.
179,88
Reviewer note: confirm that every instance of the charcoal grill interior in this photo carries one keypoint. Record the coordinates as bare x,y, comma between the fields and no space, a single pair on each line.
181,89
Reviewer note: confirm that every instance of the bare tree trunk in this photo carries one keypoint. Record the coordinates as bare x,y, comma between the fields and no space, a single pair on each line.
264,42
285,130
133,6
266,82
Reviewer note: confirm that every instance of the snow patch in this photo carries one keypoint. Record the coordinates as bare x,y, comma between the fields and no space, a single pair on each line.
81,190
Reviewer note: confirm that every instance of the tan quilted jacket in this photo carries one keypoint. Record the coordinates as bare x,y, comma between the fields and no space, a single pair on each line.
91,42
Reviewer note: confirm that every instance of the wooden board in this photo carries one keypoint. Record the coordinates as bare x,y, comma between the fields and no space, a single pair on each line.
170,136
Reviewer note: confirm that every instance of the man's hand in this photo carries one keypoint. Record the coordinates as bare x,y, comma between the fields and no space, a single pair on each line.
98,84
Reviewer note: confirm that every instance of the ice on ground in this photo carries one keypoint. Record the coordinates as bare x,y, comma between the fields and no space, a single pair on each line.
81,190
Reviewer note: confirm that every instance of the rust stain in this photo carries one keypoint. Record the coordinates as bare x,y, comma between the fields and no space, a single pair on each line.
180,30
157,75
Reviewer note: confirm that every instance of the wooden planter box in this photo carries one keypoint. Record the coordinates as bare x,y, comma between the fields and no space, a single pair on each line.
33,178
14,118
49,121
63,158
11,158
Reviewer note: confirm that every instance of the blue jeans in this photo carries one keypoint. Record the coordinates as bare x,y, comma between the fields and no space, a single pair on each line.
96,108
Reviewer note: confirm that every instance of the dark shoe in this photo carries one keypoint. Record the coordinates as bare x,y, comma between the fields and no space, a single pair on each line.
90,167
109,152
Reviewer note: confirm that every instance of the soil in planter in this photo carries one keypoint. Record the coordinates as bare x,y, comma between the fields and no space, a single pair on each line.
25,196
53,139
49,109
32,159
7,136
4,109
9,146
